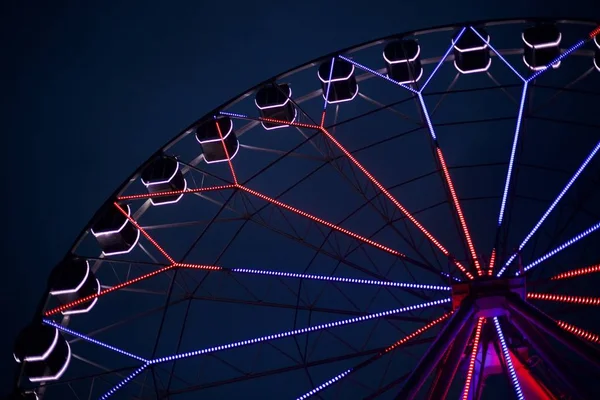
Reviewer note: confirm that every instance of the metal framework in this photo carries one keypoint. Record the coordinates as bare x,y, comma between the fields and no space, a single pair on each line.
374,274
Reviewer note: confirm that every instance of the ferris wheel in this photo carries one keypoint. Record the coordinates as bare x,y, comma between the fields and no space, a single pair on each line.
413,217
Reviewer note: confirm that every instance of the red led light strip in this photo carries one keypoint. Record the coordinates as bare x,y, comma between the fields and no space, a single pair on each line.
66,306
473,359
174,192
577,272
584,300
280,122
322,221
143,232
582,333
417,332
492,262
235,181
595,32
461,217
393,200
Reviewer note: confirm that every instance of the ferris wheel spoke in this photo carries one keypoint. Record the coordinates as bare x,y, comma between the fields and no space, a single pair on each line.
144,233
301,331
576,272
374,358
174,192
453,196
473,359
124,382
508,361
92,340
340,279
565,54
581,300
497,53
552,206
511,164
387,194
443,59
372,71
577,331
558,249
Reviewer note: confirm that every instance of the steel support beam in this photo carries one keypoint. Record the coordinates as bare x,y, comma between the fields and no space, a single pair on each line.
556,364
436,351
548,325
447,371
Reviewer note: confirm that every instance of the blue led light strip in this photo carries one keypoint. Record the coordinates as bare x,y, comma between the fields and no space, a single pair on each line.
235,115
552,206
329,83
512,155
325,384
341,279
427,118
387,78
298,331
91,340
509,364
123,382
560,248
557,59
500,56
462,31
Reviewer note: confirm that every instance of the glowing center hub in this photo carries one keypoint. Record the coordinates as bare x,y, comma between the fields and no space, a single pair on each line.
488,294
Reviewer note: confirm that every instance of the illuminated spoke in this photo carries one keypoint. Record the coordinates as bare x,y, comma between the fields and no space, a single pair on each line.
372,71
552,206
562,298
369,361
124,382
577,272
582,333
341,279
146,235
557,60
323,222
233,175
175,192
85,299
301,331
473,358
448,179
513,152
92,340
437,67
497,53
387,194
511,369
563,246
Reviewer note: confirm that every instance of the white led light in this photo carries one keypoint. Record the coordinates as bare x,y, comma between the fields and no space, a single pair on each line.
162,182
473,71
405,60
76,288
45,355
59,373
289,96
543,45
88,308
135,242
96,234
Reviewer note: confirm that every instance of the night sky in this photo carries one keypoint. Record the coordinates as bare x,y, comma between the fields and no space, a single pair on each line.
90,92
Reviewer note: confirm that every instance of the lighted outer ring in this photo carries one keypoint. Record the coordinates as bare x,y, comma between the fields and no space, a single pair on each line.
226,105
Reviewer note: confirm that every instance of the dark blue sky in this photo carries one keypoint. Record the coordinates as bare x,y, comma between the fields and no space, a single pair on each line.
90,91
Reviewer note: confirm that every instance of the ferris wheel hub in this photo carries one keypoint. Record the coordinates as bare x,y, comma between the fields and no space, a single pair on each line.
489,294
